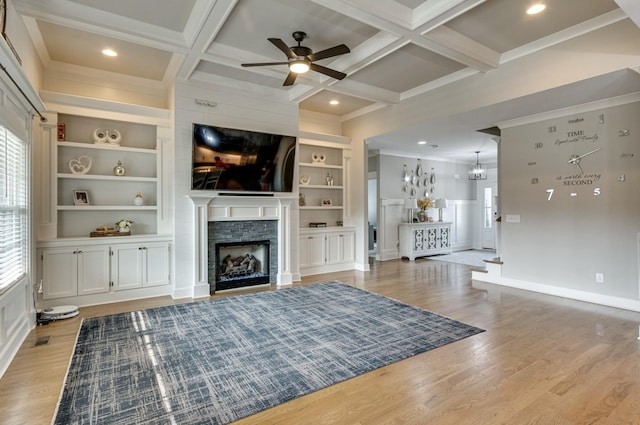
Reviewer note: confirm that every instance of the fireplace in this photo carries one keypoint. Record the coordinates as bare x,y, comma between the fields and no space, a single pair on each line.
242,253
222,219
240,264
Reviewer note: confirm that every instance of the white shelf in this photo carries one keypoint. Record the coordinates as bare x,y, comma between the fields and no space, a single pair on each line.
319,165
84,208
107,147
320,207
107,178
319,186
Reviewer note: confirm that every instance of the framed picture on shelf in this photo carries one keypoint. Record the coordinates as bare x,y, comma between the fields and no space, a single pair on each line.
80,197
327,202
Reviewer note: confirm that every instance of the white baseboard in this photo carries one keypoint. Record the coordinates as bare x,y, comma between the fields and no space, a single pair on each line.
494,277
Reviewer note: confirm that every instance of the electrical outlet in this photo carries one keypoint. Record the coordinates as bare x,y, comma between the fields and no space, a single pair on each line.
599,278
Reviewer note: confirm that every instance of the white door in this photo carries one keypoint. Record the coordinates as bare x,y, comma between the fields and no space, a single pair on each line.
488,199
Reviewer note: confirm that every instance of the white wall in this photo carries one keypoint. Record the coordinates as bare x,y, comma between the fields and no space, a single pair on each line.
234,109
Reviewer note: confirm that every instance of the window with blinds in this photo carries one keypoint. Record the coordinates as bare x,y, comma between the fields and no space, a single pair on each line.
14,215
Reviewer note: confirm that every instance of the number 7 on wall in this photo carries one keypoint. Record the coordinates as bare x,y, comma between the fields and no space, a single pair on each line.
550,193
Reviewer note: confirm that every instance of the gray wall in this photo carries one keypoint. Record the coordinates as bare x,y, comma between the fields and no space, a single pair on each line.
447,185
564,241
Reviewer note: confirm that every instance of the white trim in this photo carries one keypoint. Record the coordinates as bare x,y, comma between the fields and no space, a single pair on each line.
590,297
572,110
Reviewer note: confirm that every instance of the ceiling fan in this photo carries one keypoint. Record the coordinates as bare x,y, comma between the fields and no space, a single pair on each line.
301,58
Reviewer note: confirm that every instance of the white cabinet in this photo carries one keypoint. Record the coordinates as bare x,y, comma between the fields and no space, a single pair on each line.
324,165
73,271
340,247
424,239
88,271
323,251
77,267
139,265
312,250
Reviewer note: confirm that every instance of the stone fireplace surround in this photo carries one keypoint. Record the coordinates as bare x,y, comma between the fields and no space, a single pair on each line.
245,233
220,207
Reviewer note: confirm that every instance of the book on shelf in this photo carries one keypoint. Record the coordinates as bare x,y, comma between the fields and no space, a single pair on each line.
317,224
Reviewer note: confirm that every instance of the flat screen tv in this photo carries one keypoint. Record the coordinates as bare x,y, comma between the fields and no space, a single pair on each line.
233,160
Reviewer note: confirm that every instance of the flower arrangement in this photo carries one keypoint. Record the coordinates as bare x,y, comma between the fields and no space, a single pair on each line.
425,203
123,225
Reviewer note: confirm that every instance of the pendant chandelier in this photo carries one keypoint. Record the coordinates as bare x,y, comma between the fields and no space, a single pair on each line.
477,171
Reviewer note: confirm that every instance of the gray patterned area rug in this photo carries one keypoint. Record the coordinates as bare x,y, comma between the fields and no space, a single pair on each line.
216,361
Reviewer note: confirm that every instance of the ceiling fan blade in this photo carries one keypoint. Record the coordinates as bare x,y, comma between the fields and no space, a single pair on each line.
291,78
282,46
263,64
328,71
327,53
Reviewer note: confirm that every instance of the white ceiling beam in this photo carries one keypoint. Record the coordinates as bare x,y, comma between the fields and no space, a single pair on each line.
83,18
460,48
444,43
391,10
438,12
577,30
205,35
366,92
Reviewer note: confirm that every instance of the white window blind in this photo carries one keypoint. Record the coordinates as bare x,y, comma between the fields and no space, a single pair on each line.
13,208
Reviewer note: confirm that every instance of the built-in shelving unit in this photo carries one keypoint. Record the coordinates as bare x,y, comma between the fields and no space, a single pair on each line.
74,267
108,193
324,165
323,162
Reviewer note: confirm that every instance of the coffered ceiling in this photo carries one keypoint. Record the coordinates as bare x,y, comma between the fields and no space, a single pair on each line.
399,48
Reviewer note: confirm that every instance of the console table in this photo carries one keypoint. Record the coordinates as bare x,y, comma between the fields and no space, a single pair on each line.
424,239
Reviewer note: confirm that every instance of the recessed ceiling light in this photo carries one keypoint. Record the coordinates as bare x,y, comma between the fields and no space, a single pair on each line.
422,142
109,52
334,102
536,8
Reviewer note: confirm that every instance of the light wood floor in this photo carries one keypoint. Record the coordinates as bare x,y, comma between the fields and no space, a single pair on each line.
542,360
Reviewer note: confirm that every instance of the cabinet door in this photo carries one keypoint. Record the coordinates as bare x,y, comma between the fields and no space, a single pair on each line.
334,248
348,247
93,270
312,250
444,237
340,247
155,265
126,266
432,239
59,273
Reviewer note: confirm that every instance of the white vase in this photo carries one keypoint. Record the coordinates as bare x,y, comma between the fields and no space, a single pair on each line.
138,200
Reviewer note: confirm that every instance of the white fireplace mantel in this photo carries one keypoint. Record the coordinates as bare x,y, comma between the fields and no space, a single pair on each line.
211,206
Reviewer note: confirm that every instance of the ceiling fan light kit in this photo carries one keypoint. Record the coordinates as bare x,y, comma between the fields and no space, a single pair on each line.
301,59
299,66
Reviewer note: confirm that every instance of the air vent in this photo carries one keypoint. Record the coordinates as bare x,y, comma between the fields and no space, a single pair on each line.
43,340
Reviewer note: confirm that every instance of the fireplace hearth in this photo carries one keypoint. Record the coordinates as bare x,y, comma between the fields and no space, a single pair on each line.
241,264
